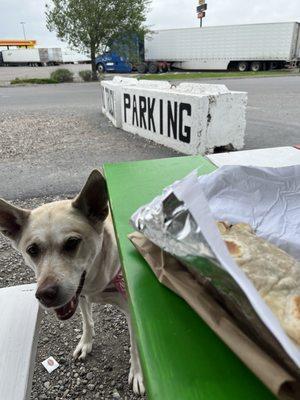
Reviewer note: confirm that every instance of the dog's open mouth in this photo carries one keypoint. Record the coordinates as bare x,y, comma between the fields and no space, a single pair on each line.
67,311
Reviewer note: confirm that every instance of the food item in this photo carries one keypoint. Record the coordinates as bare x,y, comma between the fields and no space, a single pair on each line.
274,273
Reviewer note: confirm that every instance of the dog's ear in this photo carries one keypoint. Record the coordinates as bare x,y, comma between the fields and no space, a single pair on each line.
12,220
92,201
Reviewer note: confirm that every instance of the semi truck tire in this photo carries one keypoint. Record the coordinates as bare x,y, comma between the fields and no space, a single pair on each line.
100,68
152,68
255,66
273,65
142,68
242,66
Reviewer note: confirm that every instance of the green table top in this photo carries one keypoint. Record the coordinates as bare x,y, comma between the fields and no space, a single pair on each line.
182,358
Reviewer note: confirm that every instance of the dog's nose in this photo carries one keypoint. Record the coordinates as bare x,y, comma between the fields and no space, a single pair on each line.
47,294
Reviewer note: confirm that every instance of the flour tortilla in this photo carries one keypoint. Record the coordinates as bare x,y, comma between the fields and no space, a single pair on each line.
274,273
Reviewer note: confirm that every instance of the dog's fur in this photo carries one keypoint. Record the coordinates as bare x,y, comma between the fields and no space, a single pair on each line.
62,241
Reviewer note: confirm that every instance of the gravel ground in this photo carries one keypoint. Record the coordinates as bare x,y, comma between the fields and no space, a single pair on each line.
52,137
105,372
38,132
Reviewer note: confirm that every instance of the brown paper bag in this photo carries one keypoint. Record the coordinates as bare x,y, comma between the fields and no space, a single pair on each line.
176,277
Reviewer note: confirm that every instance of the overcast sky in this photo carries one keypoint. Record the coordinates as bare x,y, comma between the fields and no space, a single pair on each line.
163,14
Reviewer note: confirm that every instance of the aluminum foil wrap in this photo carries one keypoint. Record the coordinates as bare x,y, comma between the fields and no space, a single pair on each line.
168,222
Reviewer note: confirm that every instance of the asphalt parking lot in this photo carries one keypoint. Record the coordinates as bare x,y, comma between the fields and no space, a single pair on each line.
51,137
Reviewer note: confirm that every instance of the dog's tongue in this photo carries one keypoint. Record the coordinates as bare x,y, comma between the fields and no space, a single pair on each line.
67,311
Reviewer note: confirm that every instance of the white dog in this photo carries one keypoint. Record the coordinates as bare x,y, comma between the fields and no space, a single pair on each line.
72,249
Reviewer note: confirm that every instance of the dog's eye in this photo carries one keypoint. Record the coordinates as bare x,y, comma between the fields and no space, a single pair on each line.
71,244
33,250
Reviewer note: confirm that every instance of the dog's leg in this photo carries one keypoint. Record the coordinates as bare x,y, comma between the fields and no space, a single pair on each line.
135,375
85,344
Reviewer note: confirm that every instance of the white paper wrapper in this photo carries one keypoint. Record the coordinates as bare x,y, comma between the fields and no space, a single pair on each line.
268,199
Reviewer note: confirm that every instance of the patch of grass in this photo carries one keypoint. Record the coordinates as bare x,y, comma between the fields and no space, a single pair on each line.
200,75
38,81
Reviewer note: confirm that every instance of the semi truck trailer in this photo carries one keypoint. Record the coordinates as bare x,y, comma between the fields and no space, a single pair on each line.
243,47
33,57
73,57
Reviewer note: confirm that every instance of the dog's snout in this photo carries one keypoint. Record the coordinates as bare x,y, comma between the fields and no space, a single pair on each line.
47,294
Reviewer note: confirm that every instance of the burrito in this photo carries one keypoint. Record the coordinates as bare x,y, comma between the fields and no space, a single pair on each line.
274,273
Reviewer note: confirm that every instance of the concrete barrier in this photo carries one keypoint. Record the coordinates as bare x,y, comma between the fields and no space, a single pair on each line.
171,119
190,118
226,114
163,85
200,88
226,121
111,98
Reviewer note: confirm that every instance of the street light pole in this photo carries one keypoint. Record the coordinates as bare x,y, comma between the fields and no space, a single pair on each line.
23,26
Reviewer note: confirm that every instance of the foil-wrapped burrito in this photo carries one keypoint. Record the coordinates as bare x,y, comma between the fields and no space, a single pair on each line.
261,292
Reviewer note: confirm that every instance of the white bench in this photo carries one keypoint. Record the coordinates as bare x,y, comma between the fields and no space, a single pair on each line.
20,319
272,157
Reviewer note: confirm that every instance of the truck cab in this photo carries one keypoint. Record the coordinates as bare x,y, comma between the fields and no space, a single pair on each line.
112,62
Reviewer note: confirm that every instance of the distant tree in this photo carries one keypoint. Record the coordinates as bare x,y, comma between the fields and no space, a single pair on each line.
90,25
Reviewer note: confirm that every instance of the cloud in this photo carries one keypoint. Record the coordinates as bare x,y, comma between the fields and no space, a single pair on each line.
182,13
32,12
163,14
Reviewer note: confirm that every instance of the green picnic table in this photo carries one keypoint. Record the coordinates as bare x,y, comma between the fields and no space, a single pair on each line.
182,358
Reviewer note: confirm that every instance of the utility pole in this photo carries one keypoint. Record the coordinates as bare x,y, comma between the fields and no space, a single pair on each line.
23,26
201,11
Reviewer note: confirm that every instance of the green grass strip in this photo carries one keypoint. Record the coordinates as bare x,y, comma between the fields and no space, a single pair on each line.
38,81
203,75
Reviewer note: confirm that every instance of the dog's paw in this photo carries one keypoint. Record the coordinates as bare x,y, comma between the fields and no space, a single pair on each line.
136,380
83,348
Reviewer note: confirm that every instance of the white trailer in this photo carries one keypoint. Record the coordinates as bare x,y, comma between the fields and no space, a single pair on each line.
37,56
72,57
55,56
21,57
254,46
